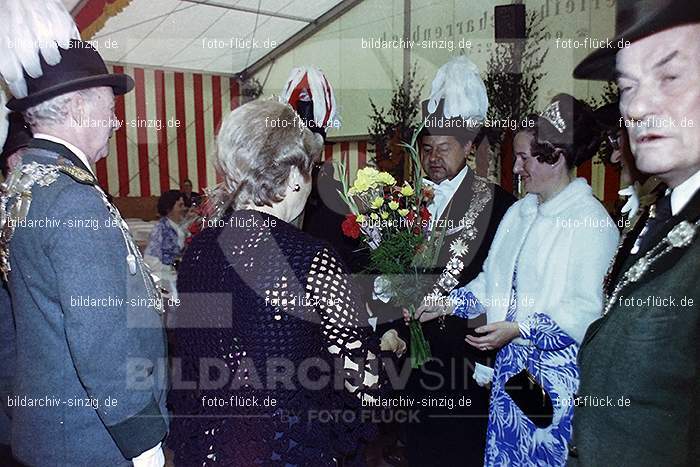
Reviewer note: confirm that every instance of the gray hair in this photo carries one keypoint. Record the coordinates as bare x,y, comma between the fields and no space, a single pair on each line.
56,110
257,146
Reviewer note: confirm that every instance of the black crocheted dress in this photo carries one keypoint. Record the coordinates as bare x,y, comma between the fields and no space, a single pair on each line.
268,314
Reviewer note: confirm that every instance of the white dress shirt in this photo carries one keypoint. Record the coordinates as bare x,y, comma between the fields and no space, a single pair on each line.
683,192
444,191
74,149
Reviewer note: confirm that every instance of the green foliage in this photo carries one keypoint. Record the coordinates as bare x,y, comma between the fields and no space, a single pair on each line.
416,173
394,255
513,92
610,95
400,120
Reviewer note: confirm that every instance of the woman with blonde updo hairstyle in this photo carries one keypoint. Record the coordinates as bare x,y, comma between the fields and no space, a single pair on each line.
272,309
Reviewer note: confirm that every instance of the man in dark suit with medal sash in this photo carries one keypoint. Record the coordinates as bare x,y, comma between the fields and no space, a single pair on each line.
465,212
90,374
639,397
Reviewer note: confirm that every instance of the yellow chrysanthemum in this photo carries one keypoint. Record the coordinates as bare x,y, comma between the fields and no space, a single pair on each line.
367,172
377,202
407,190
360,218
393,205
360,186
386,178
403,212
374,216
384,215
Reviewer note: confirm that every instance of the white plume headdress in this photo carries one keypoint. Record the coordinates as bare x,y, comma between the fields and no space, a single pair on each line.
459,83
322,95
32,29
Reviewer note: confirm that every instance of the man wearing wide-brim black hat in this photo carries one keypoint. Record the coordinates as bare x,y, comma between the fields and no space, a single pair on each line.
639,397
89,384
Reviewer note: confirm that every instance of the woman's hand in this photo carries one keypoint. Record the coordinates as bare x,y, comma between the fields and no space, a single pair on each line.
496,335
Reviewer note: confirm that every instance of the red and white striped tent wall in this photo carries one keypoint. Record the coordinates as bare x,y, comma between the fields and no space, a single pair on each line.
169,122
151,153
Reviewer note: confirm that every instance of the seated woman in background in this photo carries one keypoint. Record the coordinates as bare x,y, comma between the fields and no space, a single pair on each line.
273,310
167,240
167,237
541,286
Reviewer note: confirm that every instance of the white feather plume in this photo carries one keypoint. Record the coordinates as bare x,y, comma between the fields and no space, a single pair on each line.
322,94
4,119
31,29
459,83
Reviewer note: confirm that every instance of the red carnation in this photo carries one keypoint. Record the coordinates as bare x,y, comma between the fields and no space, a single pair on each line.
194,228
424,214
350,226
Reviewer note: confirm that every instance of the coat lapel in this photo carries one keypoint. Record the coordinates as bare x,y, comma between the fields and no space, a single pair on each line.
690,213
620,262
458,204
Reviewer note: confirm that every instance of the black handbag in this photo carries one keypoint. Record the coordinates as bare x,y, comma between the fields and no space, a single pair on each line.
531,398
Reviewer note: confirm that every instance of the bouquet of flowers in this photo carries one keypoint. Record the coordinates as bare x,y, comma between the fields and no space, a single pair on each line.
394,222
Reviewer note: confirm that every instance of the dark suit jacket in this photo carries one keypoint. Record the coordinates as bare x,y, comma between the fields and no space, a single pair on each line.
644,355
99,370
324,214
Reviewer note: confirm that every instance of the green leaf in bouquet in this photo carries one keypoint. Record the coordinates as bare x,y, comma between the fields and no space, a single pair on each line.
429,252
412,149
343,175
395,254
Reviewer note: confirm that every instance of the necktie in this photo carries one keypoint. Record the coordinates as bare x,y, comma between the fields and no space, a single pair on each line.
655,224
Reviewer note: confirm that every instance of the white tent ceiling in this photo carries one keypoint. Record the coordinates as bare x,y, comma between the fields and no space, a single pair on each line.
212,36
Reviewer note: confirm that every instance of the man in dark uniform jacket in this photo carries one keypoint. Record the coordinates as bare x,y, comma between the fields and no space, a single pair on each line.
18,136
89,383
639,396
467,209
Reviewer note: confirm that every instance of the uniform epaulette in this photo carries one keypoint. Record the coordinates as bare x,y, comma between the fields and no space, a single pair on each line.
15,199
78,174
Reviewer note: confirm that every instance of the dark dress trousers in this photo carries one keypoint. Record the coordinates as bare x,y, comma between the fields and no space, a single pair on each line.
640,363
89,384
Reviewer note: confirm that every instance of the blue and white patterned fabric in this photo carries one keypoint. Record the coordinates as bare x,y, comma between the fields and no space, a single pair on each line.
512,439
165,243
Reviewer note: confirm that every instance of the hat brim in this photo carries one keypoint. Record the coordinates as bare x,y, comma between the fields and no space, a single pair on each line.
120,84
600,64
457,132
